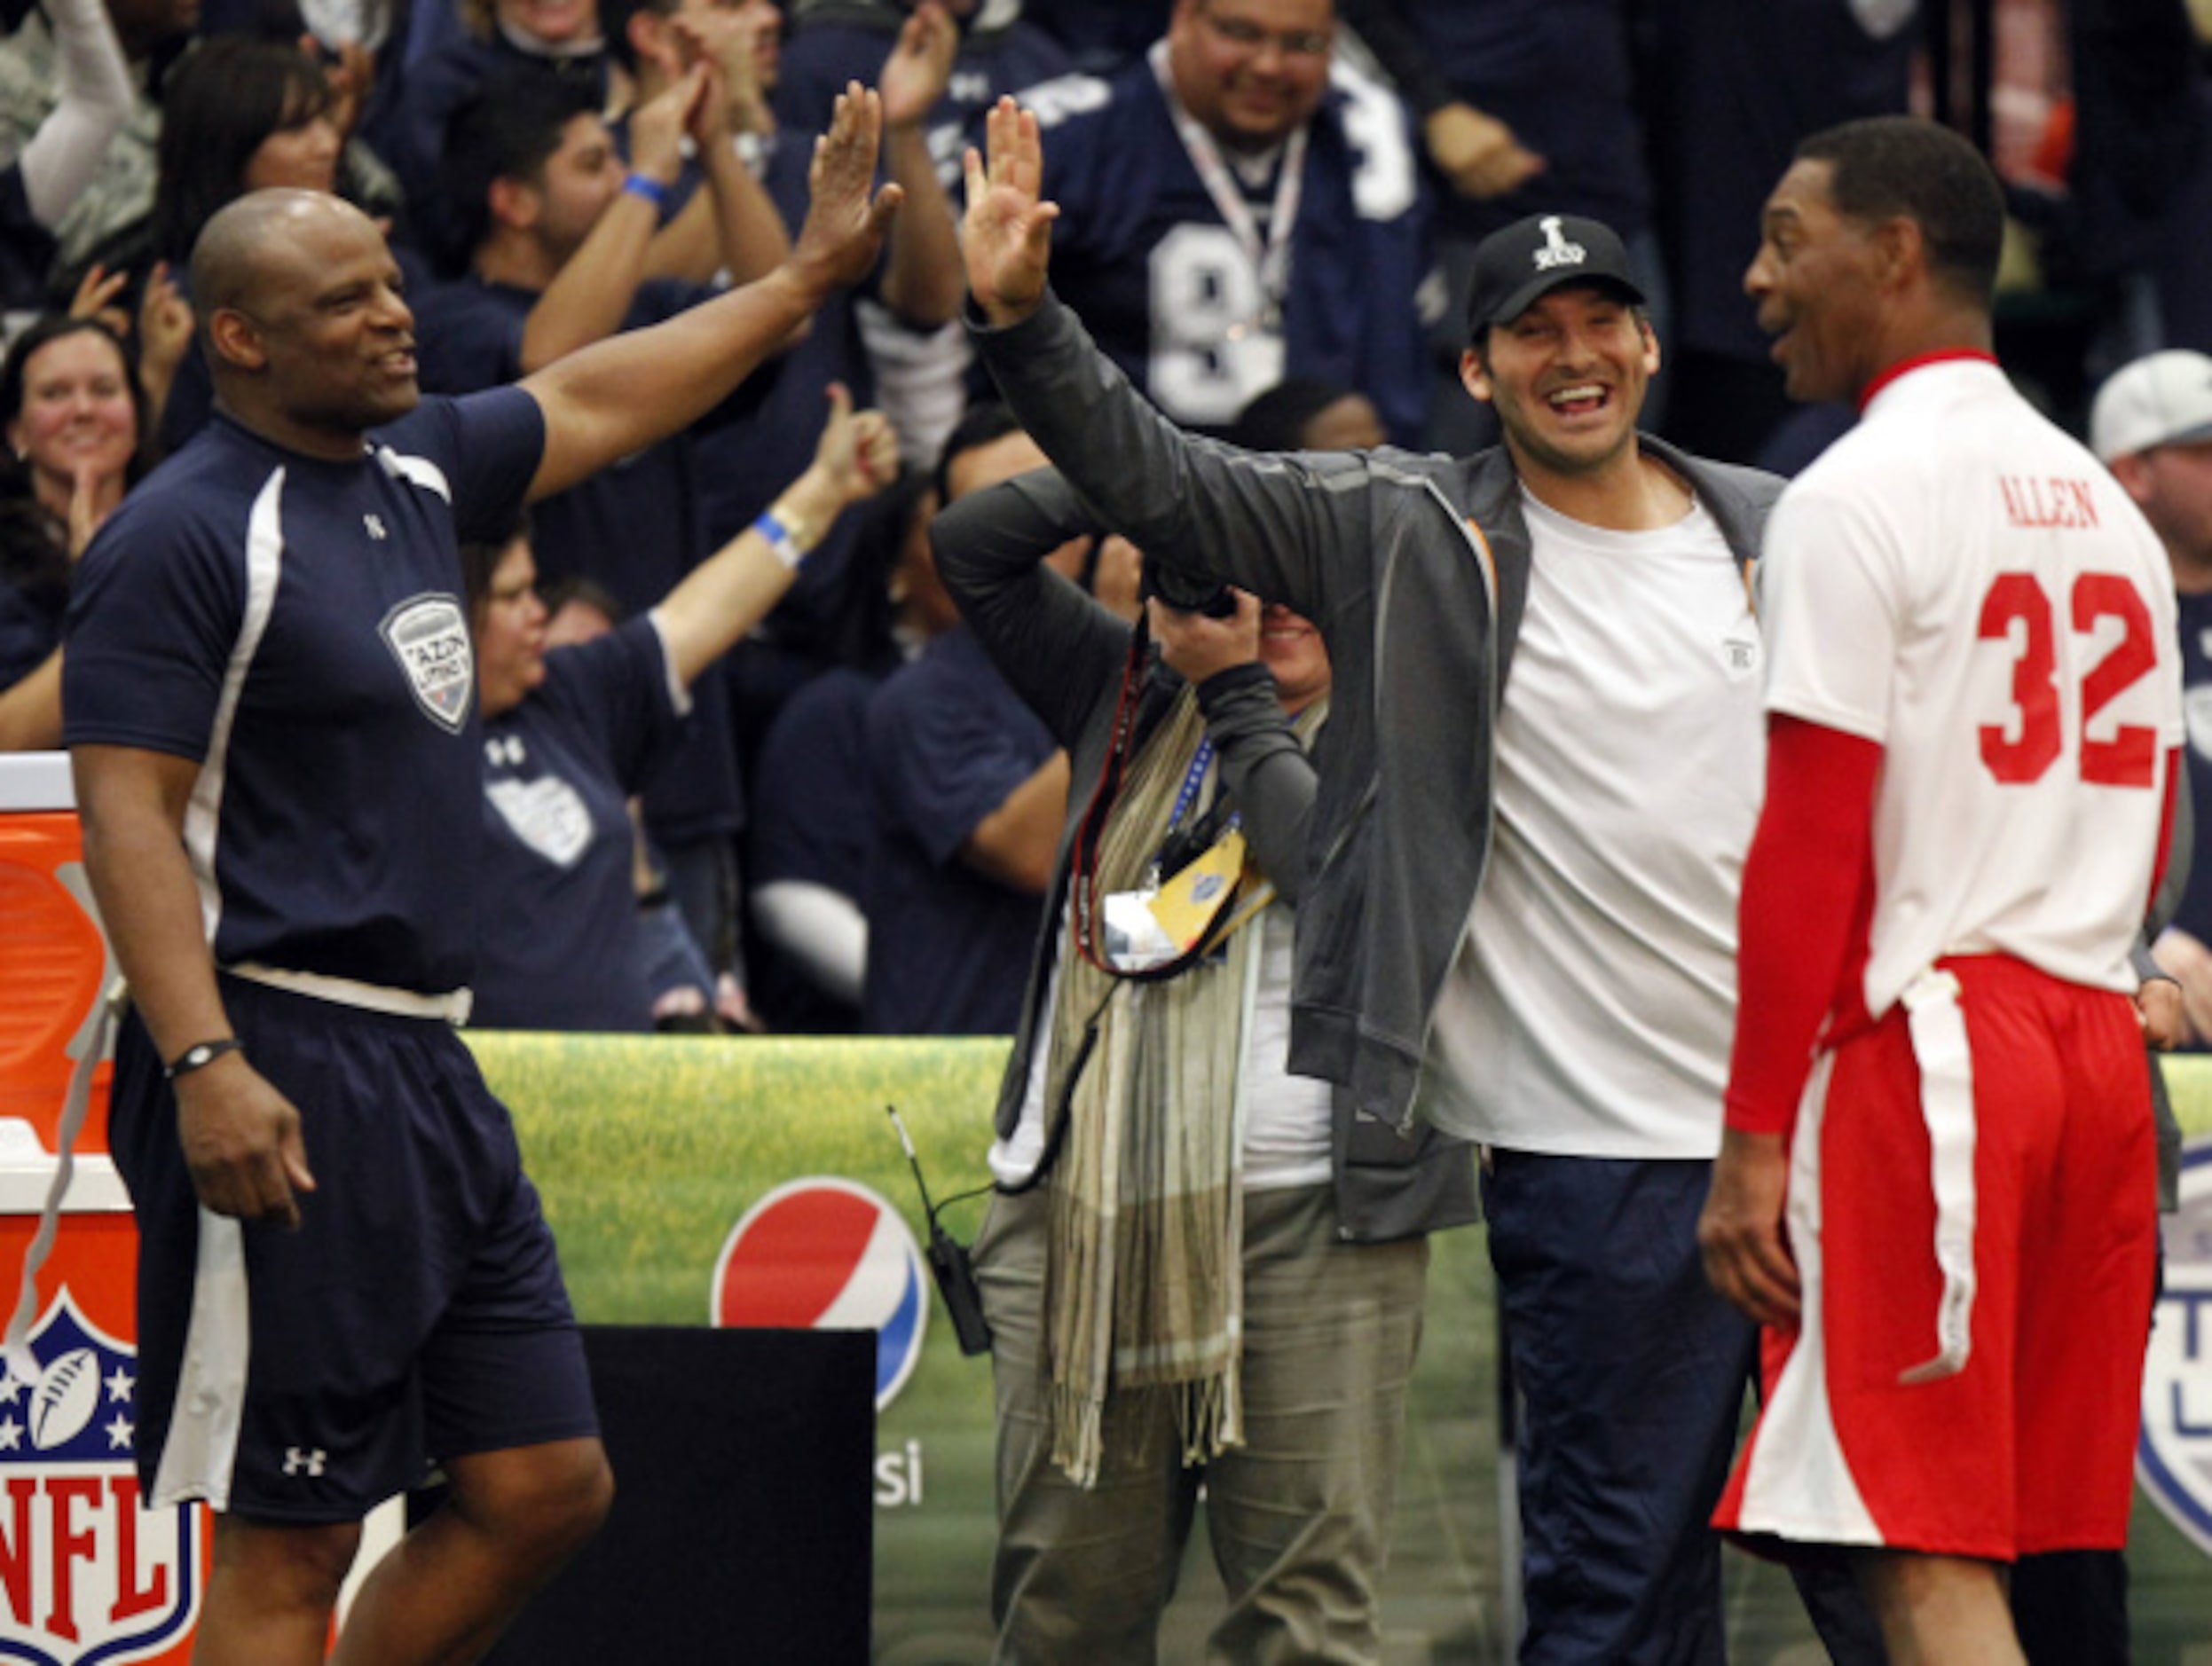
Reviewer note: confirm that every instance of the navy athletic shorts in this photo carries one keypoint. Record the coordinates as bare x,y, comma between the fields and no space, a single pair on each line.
417,1315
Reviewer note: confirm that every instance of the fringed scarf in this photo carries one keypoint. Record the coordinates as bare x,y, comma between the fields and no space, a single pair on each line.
1144,1285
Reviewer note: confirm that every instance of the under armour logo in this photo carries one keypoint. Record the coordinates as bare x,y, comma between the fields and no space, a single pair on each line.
307,1463
1557,251
375,525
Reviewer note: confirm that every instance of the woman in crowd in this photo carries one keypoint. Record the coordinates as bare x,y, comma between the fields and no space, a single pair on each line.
242,114
75,423
569,735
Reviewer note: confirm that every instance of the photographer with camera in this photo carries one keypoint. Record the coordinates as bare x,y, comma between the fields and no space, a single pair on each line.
1194,1271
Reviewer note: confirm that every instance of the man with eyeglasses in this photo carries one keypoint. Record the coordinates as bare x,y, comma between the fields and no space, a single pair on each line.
1237,208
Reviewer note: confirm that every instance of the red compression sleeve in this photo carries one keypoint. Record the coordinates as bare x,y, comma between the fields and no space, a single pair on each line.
1804,883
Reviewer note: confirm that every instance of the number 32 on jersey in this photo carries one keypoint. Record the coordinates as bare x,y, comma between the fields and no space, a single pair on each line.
2021,750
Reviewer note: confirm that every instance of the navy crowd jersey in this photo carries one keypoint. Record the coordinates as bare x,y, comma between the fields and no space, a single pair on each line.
2194,915
1779,69
1513,59
559,946
947,948
745,465
836,44
296,627
633,526
1167,289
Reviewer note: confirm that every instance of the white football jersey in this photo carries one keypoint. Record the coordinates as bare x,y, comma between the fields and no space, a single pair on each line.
1961,582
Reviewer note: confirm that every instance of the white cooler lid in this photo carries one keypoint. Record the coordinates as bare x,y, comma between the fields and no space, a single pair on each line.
27,1169
36,781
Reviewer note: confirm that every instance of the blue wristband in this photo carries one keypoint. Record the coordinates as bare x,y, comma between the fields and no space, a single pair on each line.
648,187
780,541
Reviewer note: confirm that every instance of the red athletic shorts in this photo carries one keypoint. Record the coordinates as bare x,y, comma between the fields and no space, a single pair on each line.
1973,1209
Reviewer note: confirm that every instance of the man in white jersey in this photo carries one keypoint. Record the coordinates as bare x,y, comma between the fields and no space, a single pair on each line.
1937,1185
1568,1007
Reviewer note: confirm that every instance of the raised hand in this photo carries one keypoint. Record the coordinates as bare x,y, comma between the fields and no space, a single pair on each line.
729,41
858,453
919,69
1006,238
658,126
1197,645
847,217
97,296
165,321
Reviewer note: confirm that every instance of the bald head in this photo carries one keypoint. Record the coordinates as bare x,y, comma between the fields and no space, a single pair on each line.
261,237
307,337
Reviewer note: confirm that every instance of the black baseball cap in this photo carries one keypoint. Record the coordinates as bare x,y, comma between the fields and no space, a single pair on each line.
1517,266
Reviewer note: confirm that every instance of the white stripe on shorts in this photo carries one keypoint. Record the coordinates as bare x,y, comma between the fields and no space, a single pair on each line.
1946,1104
1798,1485
202,1451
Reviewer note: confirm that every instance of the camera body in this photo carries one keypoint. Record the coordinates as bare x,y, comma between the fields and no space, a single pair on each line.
1184,593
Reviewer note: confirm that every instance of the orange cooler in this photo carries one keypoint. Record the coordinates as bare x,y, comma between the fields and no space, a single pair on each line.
87,1574
53,960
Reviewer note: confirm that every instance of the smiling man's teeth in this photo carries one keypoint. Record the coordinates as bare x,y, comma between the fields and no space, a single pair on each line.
1589,394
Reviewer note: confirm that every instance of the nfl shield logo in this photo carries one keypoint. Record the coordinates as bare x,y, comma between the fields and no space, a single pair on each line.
86,1574
429,636
2174,1453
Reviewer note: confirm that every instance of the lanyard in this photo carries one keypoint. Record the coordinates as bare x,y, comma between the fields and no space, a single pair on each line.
1270,259
1192,779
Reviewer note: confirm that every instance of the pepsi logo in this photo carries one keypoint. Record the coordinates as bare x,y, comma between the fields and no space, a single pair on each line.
2174,1453
827,1255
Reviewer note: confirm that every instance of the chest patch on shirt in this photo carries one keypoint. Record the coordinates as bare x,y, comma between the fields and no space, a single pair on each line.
547,814
429,636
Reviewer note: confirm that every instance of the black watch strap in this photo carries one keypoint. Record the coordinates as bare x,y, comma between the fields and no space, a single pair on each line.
200,1055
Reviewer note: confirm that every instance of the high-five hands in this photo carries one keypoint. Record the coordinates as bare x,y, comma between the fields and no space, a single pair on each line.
1006,238
847,217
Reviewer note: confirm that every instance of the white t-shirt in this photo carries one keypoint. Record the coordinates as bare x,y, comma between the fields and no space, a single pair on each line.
1592,1004
1287,1133
1961,582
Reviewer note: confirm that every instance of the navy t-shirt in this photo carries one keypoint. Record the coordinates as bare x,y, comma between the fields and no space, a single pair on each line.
632,527
2195,915
947,948
560,945
1736,84
823,55
30,628
1145,257
745,464
297,626
812,819
1558,73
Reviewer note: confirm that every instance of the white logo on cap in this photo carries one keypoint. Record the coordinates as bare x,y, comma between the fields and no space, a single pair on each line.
1557,251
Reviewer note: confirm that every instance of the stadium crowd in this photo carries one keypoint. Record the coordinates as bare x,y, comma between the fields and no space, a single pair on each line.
550,173
824,710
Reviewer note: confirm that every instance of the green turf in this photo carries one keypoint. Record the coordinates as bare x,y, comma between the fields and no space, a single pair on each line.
649,1150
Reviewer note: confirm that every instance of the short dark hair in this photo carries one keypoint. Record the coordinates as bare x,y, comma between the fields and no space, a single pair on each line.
1888,167
979,426
222,100
556,593
480,561
507,129
614,25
